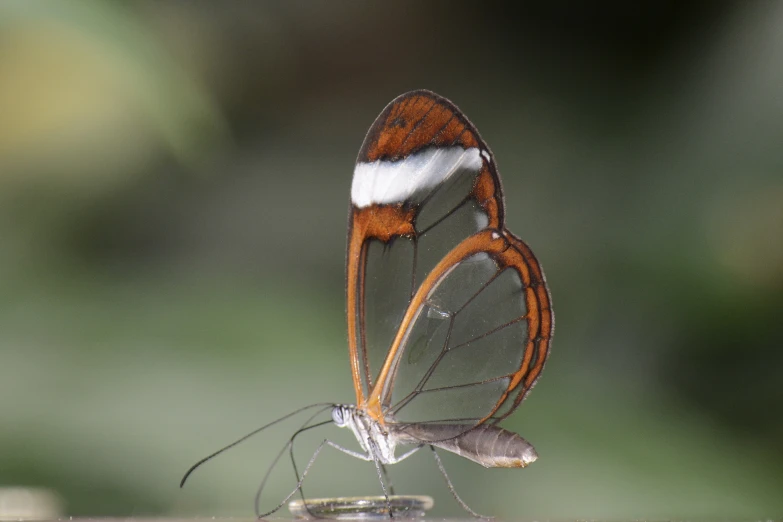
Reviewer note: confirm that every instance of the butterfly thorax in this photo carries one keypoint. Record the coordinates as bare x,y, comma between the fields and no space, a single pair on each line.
372,436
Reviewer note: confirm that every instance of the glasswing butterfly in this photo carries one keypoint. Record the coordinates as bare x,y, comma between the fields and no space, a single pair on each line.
449,316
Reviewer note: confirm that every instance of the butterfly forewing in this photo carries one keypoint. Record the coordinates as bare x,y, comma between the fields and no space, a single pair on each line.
445,307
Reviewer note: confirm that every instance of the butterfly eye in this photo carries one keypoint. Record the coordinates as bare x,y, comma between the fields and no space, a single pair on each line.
338,416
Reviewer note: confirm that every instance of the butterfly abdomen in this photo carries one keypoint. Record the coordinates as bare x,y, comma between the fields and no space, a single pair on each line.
490,446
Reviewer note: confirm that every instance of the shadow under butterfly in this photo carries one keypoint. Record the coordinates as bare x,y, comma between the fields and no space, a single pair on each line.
449,316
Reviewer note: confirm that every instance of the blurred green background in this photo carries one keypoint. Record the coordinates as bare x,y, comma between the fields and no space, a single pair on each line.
174,185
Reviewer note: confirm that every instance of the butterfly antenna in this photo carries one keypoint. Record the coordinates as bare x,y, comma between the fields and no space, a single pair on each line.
244,438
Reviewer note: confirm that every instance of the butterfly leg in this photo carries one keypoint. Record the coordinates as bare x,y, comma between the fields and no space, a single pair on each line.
398,459
383,475
451,486
328,442
407,454
299,481
387,479
358,455
290,446
374,452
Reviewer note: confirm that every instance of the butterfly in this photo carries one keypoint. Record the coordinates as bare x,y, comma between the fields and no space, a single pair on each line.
449,316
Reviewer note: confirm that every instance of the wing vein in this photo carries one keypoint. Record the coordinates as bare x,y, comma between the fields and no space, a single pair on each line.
494,330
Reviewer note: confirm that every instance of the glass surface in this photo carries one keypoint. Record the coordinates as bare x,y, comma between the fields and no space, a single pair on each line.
353,508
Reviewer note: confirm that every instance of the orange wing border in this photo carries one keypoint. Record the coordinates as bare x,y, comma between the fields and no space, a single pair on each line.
540,319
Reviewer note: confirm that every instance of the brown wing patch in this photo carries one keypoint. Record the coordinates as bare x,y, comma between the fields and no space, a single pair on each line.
384,221
414,121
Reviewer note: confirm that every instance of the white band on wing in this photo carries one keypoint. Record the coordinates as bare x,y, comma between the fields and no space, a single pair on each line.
382,182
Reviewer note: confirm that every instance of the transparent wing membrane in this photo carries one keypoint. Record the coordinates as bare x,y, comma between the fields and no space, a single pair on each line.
464,347
388,281
488,311
444,199
458,404
453,225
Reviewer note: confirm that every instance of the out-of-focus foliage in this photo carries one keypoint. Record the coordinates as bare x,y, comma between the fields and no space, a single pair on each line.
174,180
